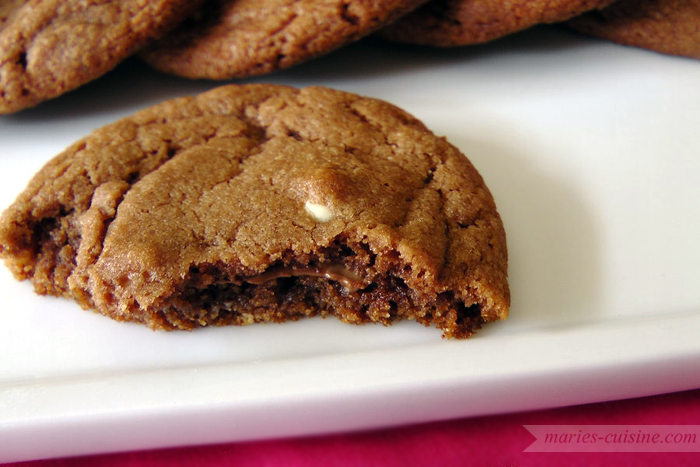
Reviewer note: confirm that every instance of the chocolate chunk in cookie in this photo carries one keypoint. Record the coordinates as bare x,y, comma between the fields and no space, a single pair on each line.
240,38
666,26
449,23
264,203
49,47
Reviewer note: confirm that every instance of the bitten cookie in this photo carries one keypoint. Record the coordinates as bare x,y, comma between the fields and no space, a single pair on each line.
264,203
449,23
240,38
666,26
49,47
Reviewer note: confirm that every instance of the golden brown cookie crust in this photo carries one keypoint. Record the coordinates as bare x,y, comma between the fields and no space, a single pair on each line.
49,47
666,26
177,216
235,39
447,23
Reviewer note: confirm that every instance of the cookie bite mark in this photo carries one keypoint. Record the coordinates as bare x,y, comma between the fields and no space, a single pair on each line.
346,280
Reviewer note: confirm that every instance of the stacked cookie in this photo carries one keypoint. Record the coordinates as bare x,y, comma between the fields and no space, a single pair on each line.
667,26
49,47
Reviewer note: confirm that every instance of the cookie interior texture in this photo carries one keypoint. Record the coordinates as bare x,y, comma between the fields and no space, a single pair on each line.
49,47
240,38
666,26
264,203
449,23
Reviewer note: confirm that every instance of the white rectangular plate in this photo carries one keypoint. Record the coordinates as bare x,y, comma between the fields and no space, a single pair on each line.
592,153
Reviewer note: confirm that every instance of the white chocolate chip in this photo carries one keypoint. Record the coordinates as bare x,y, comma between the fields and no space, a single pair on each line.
320,212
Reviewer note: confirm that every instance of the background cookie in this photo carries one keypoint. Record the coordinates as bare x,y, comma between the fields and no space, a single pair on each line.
462,22
264,203
667,26
242,38
48,47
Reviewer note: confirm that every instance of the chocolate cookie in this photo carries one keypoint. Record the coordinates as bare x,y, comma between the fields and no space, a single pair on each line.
264,203
239,38
449,23
49,47
666,26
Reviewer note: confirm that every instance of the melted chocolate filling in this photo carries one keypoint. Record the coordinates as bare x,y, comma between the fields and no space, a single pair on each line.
348,279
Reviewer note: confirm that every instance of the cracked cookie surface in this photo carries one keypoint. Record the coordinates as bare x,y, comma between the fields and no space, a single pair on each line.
49,47
235,39
449,23
264,203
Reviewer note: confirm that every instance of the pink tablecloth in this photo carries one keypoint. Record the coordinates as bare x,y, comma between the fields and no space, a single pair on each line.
485,441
